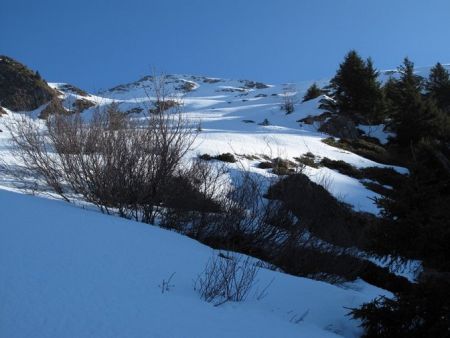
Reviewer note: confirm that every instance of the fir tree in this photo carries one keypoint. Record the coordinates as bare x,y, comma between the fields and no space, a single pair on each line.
356,89
313,92
438,87
412,116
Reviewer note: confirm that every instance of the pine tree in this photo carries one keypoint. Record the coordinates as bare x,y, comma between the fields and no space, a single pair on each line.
413,117
416,225
313,92
356,89
438,87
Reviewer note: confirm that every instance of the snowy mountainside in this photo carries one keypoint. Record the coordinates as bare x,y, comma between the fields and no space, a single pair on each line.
68,272
244,118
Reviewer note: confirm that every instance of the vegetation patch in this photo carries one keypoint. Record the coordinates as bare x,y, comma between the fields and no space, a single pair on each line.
308,159
22,89
364,148
161,106
54,107
72,89
342,167
225,157
80,105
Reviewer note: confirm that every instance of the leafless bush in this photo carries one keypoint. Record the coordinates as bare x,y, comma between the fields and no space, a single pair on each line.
166,284
288,100
112,161
226,278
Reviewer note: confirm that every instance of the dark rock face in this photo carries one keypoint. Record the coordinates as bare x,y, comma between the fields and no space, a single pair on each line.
20,87
2,111
340,126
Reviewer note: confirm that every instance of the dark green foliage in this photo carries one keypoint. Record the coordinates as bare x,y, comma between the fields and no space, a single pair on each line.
381,176
225,157
385,176
313,92
438,87
363,147
265,165
307,159
356,89
342,167
412,116
319,211
265,122
20,88
416,216
205,157
421,312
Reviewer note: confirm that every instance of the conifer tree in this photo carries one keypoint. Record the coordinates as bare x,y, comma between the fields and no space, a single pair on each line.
356,89
412,116
438,87
313,92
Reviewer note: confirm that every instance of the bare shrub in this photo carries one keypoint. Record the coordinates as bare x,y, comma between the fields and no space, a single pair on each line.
226,278
118,164
166,284
288,100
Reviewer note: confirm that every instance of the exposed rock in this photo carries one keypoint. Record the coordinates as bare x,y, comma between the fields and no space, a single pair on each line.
340,126
81,104
186,86
254,85
310,119
68,88
54,106
211,80
21,88
2,112
135,110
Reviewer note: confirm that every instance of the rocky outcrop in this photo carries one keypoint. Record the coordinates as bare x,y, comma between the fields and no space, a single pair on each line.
22,89
55,106
340,126
82,104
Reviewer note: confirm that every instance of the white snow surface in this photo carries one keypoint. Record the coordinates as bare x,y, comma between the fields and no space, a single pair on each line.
69,272
229,112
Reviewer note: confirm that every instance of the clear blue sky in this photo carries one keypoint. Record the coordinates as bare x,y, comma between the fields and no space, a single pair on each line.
97,44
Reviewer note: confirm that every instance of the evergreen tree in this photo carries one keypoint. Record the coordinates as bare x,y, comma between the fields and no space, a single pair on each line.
416,217
421,312
438,87
313,92
416,225
412,116
356,89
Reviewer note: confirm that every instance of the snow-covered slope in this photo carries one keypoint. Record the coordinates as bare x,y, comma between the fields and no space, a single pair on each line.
69,272
230,113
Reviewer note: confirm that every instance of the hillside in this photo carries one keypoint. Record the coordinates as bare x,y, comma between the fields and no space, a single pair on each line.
68,272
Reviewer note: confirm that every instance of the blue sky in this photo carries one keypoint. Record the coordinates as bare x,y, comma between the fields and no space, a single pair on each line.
97,44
